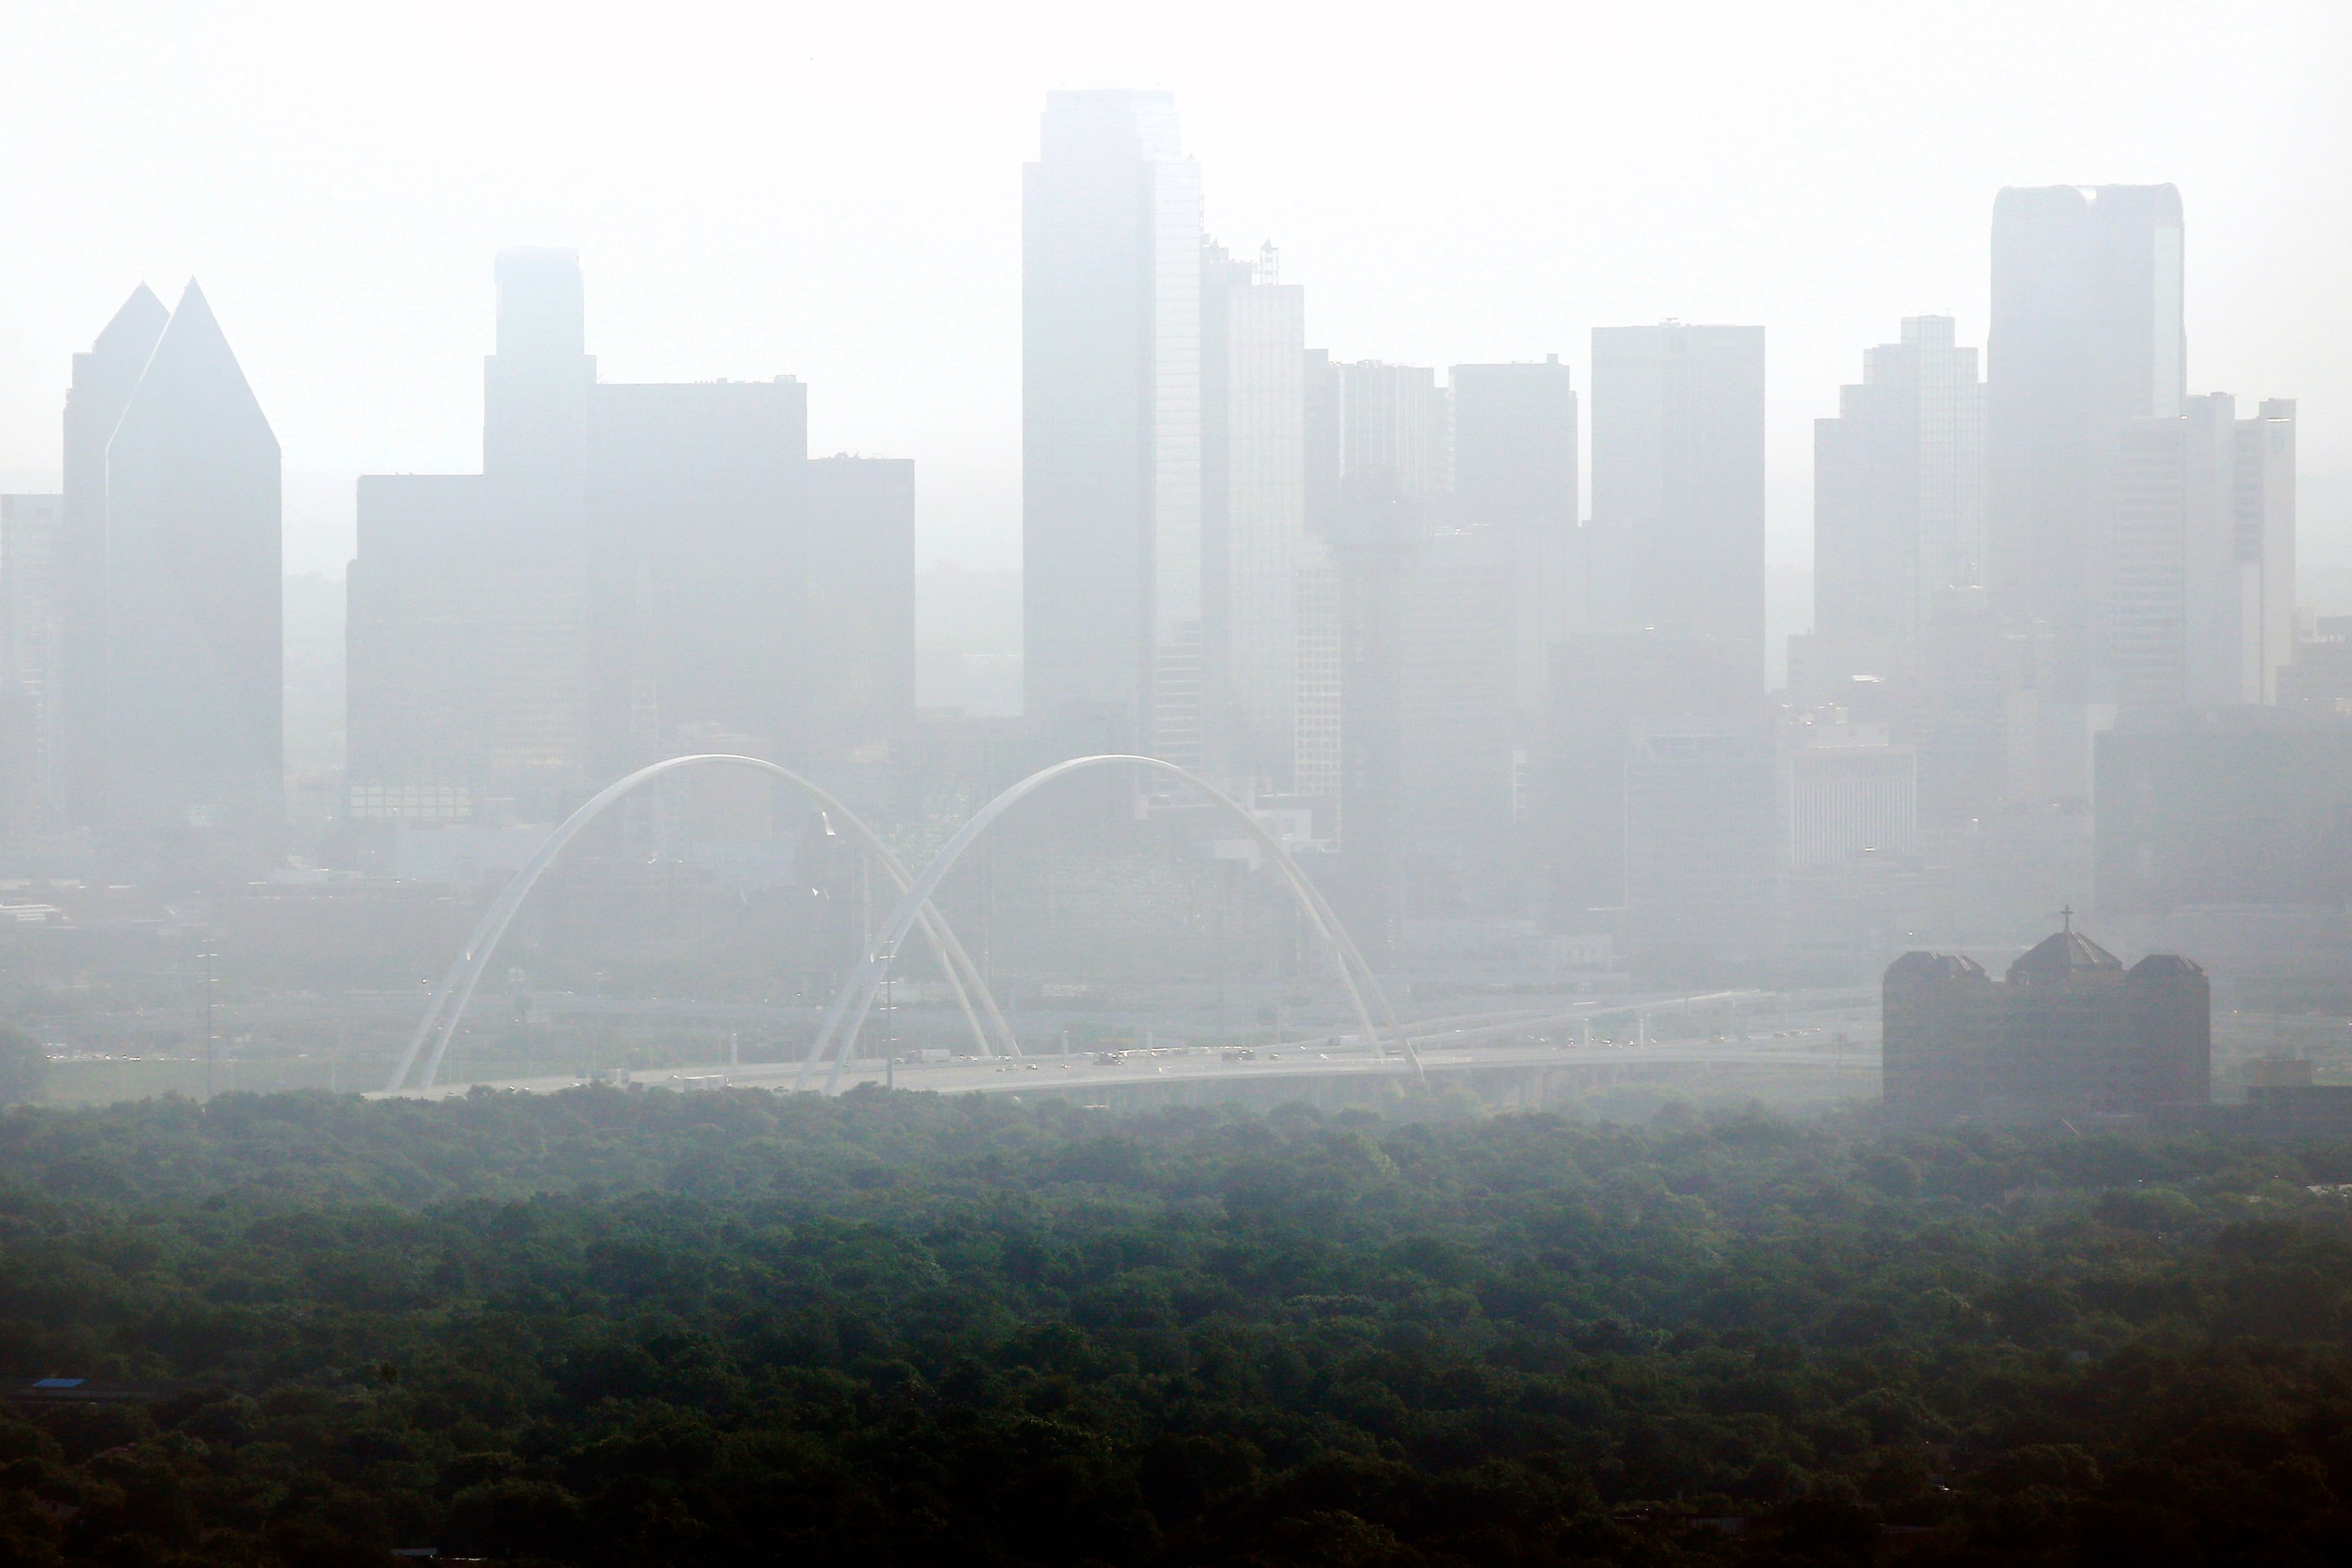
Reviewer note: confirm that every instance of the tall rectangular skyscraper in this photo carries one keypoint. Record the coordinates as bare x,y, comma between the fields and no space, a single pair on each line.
1515,472
471,667
1898,500
2197,559
637,568
1110,407
1252,510
2087,332
1678,471
694,497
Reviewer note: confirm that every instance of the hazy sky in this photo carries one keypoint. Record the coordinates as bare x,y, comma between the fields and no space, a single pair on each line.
765,189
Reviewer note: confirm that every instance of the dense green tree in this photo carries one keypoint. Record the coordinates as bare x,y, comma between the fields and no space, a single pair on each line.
24,1067
629,1327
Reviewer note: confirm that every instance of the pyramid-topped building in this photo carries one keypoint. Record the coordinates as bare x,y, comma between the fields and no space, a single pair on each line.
103,381
2071,1032
192,684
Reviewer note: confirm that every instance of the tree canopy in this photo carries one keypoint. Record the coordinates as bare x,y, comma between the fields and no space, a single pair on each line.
631,1327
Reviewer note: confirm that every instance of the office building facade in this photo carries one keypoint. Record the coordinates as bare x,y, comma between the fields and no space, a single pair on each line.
1111,243
1515,472
2087,333
1254,542
1898,502
637,568
103,381
31,527
1678,473
192,684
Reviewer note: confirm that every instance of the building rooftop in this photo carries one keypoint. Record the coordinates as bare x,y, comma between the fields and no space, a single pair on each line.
2060,955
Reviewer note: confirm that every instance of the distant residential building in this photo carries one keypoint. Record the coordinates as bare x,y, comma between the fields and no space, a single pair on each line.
1254,540
1111,404
194,684
1678,473
1898,503
2071,1032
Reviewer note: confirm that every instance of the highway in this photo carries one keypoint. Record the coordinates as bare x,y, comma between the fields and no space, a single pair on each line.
1338,1058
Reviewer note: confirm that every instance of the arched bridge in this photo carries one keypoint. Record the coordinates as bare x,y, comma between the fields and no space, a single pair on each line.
457,987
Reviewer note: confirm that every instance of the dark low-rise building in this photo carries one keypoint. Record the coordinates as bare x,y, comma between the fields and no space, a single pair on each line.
2070,1032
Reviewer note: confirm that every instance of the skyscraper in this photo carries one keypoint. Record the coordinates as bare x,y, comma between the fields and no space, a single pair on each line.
695,497
1515,472
29,629
470,665
1898,502
2087,332
859,597
1252,510
103,380
1678,470
637,569
195,578
2238,548
1110,404
1395,420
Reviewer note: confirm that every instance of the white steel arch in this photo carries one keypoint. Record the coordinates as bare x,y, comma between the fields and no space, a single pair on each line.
963,975
856,997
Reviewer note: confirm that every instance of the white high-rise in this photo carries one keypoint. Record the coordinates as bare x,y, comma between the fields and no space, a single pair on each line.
1253,506
2196,564
1898,500
1111,409
2087,333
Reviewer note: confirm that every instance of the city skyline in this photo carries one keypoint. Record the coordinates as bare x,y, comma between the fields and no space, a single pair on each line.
1459,274
779,757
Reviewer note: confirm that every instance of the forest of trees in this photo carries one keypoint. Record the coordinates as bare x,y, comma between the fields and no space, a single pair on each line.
635,1327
